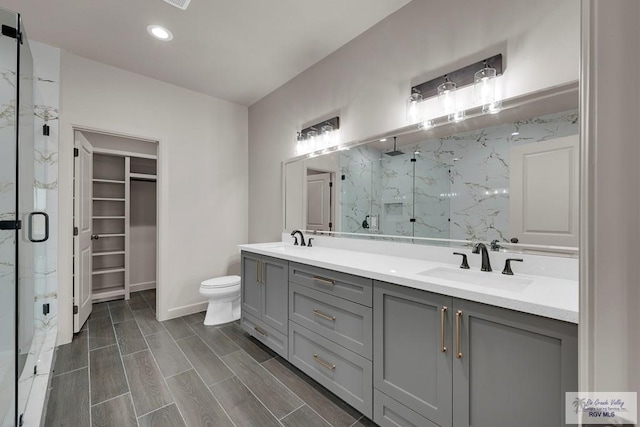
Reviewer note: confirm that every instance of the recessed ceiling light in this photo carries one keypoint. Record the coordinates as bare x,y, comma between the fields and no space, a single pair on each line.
159,32
383,139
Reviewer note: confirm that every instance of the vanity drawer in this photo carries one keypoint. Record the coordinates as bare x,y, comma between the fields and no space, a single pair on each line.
343,372
388,412
264,333
353,288
344,322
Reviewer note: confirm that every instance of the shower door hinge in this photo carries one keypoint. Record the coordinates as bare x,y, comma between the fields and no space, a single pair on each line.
412,220
76,152
414,160
10,225
75,231
330,184
75,309
12,32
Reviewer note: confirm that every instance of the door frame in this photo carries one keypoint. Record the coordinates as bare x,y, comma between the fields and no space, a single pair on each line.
65,223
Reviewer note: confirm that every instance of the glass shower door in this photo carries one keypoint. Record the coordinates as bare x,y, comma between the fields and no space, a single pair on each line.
8,217
17,221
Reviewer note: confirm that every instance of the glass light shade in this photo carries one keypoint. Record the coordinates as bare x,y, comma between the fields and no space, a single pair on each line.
413,106
485,86
492,108
447,97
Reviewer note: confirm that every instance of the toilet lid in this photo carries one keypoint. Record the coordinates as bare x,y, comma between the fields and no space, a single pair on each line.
221,282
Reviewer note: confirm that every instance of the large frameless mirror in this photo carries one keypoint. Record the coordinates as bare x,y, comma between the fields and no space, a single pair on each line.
510,178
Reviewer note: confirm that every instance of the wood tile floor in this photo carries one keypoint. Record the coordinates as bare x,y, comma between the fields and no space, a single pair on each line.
127,369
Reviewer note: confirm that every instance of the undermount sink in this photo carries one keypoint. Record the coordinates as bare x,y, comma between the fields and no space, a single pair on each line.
479,278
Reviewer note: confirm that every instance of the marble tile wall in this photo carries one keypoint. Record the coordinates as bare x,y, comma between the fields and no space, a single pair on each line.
46,105
359,197
461,188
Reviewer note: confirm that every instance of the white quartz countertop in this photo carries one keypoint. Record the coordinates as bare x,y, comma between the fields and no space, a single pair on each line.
539,295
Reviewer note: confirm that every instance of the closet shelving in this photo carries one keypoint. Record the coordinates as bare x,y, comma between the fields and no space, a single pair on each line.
123,215
109,218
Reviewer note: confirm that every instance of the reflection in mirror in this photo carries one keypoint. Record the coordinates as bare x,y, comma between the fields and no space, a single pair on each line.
513,181
455,187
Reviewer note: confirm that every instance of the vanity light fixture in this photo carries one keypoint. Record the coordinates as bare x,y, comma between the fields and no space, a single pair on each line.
320,136
483,74
160,32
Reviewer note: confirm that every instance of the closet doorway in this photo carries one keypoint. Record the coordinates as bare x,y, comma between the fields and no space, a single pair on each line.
115,219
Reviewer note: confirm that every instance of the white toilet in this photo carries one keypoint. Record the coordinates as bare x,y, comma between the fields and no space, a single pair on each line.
224,299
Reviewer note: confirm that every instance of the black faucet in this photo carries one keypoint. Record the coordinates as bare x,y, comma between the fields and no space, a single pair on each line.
480,248
293,234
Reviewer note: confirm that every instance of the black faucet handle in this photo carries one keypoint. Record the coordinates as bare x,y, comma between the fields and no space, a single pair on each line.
295,243
464,264
495,245
309,244
507,266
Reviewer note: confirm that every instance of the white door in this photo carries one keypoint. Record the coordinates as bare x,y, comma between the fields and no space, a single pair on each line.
83,207
319,202
543,199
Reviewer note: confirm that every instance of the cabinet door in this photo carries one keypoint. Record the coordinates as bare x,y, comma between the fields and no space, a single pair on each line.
409,364
514,370
275,298
251,287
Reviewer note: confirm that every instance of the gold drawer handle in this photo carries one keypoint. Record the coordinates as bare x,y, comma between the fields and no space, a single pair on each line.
458,317
443,314
260,331
323,363
324,281
324,316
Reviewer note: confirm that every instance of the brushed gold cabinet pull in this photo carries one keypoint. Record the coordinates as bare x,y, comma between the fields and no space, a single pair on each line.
443,314
258,271
260,331
458,317
323,363
324,281
262,272
324,316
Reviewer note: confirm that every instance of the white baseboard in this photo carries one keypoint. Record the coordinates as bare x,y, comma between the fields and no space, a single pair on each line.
143,286
186,310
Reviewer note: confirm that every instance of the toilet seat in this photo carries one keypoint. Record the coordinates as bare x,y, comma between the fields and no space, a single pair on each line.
221,282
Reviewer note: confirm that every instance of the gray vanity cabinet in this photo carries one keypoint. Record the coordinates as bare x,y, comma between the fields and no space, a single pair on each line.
409,364
514,369
265,296
468,365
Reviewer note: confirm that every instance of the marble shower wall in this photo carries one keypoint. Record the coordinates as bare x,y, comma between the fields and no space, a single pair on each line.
461,188
480,172
7,212
46,64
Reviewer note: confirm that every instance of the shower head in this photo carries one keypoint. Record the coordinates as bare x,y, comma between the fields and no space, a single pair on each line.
395,151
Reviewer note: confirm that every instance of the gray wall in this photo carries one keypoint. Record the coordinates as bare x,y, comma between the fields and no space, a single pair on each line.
368,80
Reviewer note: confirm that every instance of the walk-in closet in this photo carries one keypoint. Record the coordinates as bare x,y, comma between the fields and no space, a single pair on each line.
115,219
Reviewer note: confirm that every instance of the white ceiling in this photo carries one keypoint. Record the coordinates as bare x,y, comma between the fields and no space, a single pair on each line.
238,50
